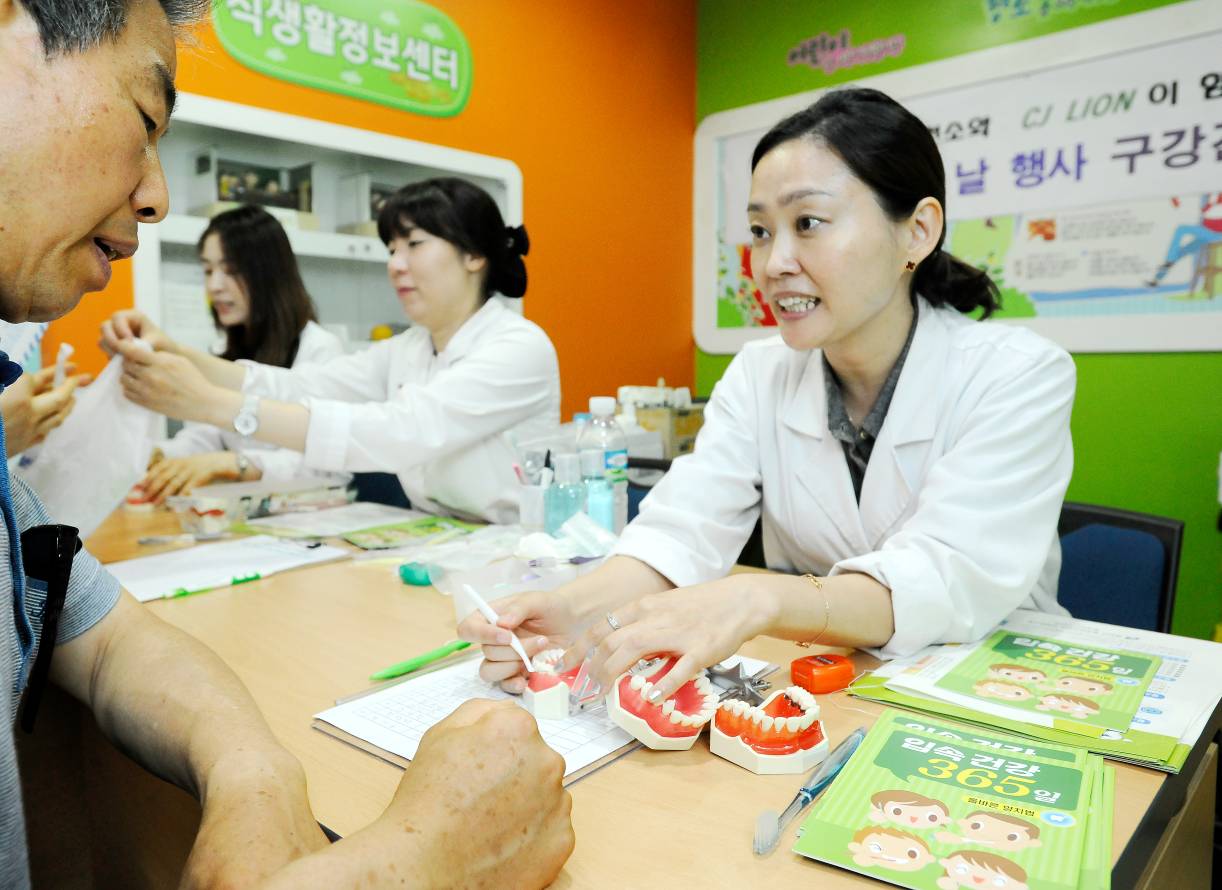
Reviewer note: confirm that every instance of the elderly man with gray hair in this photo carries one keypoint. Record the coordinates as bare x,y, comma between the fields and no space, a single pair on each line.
88,93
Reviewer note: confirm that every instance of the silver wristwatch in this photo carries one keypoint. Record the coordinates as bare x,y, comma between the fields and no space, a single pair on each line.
247,421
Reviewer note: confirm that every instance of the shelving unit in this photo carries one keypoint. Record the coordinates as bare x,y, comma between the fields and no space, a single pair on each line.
345,274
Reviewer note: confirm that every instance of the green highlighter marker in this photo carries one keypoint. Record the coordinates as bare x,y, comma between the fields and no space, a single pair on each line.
414,664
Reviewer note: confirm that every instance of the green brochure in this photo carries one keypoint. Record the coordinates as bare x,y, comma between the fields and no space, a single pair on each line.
414,531
1038,680
1097,857
1074,685
1148,749
932,805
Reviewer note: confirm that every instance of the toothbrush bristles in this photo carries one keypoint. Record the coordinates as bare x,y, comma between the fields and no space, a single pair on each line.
767,832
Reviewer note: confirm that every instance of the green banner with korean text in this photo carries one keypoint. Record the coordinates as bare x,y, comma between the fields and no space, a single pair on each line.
399,53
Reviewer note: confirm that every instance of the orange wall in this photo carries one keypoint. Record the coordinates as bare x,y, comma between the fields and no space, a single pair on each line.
598,110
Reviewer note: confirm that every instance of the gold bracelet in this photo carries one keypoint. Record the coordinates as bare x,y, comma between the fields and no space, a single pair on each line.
827,611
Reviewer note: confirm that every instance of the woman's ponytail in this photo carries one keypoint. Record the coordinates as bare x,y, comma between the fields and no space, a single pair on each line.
945,280
509,271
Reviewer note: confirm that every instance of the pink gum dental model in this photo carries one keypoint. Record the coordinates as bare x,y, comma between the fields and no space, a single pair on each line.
547,691
783,735
671,725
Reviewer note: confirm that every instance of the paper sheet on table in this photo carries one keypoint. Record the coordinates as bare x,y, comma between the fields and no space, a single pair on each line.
334,521
395,718
206,566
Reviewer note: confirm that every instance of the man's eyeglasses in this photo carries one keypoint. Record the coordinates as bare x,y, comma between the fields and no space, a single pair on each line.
47,552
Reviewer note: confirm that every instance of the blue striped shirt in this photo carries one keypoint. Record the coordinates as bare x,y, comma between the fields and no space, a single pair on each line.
92,593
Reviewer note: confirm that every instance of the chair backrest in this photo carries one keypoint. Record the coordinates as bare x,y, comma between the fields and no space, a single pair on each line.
380,488
753,551
1118,566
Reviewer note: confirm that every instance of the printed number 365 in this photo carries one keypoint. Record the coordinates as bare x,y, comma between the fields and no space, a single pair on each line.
974,777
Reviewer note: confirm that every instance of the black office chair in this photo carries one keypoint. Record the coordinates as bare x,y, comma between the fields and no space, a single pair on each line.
380,488
1119,567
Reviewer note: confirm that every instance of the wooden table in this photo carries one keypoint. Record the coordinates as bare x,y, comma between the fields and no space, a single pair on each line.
303,639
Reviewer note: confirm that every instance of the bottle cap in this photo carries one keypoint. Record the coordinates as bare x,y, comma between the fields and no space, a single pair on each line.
602,406
568,469
820,674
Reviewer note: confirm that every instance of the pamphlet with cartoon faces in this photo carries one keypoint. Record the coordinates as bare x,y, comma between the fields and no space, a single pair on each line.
1078,688
933,805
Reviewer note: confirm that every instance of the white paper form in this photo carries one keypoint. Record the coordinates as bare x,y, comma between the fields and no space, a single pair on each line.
396,718
206,566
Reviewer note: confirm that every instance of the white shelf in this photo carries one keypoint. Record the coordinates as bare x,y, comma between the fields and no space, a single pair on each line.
344,274
184,229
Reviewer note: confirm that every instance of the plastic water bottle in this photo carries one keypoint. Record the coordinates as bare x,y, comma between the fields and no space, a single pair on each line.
603,434
600,500
566,497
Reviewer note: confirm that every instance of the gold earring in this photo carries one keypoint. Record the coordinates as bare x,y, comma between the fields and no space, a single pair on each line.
910,265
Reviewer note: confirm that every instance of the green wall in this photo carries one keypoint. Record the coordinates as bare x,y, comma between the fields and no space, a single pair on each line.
1147,428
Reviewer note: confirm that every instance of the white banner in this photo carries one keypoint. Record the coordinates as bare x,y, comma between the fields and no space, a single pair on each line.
1092,192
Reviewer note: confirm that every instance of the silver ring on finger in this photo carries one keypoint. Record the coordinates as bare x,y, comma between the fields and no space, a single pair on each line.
615,625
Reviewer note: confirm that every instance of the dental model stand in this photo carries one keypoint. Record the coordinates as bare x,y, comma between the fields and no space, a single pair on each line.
547,690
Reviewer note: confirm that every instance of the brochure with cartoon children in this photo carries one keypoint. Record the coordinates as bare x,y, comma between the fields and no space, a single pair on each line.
1038,679
414,531
1135,746
1176,706
932,805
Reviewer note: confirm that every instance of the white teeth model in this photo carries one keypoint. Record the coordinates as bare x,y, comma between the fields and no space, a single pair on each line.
637,682
767,722
676,716
794,723
668,706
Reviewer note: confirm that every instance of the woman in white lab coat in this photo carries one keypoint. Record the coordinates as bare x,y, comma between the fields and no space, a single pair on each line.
909,463
262,309
440,404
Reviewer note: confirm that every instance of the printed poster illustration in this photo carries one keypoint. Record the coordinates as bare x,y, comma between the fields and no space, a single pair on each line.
1091,192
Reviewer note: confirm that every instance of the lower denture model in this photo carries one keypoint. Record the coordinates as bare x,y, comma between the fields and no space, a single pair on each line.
670,725
547,690
783,735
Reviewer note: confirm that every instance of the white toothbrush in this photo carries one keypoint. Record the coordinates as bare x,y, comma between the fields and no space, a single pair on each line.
768,826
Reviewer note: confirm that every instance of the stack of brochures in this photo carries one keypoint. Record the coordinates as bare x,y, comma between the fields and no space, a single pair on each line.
934,805
1127,694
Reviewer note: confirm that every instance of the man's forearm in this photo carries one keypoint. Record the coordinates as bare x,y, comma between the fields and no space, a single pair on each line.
165,698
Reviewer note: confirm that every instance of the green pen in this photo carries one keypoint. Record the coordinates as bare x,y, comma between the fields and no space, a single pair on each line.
240,579
414,664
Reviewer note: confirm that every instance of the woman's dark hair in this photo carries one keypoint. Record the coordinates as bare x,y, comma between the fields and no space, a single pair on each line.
258,254
465,215
890,150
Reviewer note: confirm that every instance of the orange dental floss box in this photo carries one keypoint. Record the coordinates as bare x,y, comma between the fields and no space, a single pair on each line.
820,674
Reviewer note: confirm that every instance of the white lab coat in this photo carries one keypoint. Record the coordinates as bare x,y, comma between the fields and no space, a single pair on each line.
960,500
276,464
444,423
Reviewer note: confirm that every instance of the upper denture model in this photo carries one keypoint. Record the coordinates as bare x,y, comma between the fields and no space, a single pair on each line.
670,725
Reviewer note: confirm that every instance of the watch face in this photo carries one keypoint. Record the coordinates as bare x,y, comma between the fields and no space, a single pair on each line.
245,424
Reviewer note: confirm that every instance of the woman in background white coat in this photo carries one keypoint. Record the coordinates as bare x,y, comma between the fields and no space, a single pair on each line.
439,404
261,305
909,461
